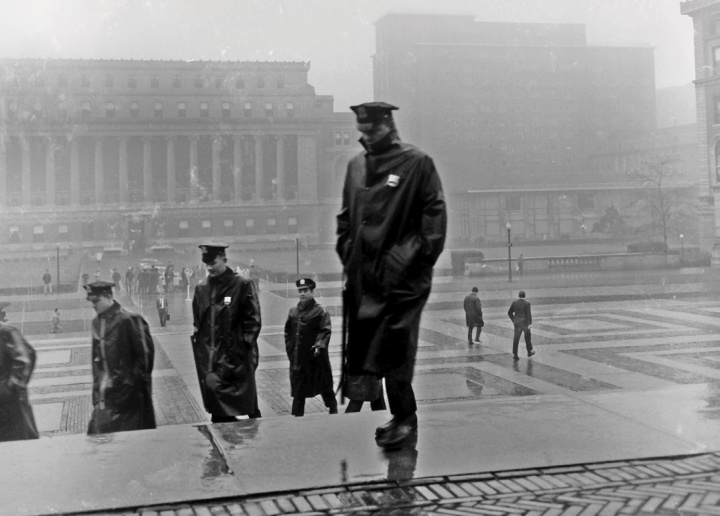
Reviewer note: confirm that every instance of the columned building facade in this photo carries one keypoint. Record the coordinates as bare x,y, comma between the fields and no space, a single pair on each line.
242,150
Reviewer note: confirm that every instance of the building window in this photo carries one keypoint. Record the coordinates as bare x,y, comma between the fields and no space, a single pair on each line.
181,110
228,227
271,225
226,110
132,82
62,231
206,225
268,109
199,81
109,110
261,83
292,224
717,110
204,110
85,111
109,81
280,82
290,109
346,138
586,201
247,110
62,80
158,112
87,231
183,229
176,82
38,234
218,83
134,110
250,226
513,203
338,138
239,83
84,81
154,81
716,26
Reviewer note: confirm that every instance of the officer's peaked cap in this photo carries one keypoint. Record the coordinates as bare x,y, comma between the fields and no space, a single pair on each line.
373,112
305,283
99,287
211,250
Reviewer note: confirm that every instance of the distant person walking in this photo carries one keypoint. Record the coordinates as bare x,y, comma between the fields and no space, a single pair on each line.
47,282
519,262
473,315
521,316
85,278
122,362
129,279
162,309
56,321
17,361
117,279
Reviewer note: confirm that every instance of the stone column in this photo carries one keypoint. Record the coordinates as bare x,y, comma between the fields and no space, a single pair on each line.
3,173
280,178
99,176
237,167
171,187
50,186
124,182
307,167
259,184
26,184
147,170
74,173
194,179
216,171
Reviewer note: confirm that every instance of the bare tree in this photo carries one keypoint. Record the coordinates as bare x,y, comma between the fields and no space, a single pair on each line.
664,199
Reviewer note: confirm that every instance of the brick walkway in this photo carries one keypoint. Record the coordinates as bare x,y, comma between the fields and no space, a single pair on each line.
686,486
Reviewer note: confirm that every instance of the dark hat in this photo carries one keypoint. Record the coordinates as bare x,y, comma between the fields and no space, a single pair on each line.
99,287
305,283
373,112
475,289
521,293
211,251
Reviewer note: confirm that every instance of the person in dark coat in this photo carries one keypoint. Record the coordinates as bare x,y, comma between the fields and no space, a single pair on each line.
162,309
17,361
521,316
226,323
307,335
391,231
123,355
473,315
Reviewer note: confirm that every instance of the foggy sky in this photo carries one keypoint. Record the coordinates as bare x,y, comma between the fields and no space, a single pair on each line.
337,36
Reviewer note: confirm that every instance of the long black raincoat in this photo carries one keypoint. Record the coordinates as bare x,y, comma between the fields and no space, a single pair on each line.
123,354
308,325
17,360
226,315
391,231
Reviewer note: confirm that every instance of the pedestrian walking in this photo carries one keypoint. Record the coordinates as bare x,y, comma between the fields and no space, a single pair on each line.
473,315
307,335
117,278
85,278
47,282
521,316
129,279
226,320
391,231
17,361
122,362
162,309
56,321
519,264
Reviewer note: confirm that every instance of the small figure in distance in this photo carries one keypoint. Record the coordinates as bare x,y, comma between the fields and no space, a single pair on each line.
56,321
521,316
473,315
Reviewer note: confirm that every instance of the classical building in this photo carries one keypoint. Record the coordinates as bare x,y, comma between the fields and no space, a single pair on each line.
706,24
96,151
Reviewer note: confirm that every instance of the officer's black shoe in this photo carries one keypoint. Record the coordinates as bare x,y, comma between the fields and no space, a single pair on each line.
398,436
515,357
383,429
531,353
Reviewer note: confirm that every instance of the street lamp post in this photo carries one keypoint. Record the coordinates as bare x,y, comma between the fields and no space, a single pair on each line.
508,226
57,277
682,251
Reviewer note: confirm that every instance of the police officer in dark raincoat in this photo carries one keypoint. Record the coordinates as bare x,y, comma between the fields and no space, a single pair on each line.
391,231
17,360
123,355
226,320
307,335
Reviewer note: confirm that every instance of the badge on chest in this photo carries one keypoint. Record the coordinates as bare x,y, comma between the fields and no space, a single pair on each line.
228,300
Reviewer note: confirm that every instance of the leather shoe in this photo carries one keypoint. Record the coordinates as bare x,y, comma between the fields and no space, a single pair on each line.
516,358
398,436
409,420
531,353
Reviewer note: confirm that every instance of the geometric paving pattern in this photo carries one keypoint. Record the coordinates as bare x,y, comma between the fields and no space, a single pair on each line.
685,486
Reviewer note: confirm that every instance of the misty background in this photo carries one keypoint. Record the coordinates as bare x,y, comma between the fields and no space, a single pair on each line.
336,36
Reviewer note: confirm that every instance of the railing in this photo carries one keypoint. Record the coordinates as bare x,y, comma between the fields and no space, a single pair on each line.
575,262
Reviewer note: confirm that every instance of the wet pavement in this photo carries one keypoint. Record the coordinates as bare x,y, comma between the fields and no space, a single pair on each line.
623,373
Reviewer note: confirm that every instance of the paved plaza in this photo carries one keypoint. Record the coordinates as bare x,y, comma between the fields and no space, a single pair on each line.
623,393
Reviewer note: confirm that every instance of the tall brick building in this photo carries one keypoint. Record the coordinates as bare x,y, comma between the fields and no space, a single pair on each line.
177,150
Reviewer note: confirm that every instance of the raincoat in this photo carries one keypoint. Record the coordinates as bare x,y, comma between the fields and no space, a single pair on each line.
391,231
17,360
473,311
123,354
226,318
308,325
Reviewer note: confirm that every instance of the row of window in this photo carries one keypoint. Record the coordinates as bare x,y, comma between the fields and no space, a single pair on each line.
111,110
199,81
585,201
